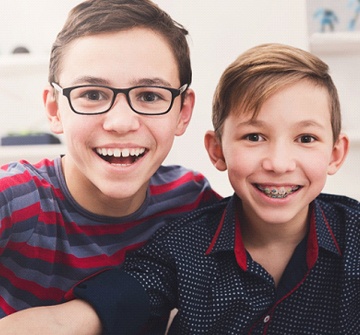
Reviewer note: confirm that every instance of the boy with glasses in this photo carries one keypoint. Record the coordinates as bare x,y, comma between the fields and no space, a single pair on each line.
119,92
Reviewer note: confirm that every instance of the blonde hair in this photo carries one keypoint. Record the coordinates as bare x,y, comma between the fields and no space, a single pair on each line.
263,70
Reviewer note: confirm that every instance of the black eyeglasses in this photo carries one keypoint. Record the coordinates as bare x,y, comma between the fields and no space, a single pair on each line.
98,99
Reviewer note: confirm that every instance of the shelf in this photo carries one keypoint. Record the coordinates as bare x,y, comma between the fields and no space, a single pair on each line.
32,153
23,64
335,43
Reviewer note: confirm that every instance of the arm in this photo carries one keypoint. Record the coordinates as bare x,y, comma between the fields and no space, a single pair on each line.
120,301
139,296
75,317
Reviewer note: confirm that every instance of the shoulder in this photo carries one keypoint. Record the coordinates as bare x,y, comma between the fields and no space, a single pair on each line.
23,166
177,187
23,186
176,174
26,181
342,205
200,222
184,239
23,172
342,214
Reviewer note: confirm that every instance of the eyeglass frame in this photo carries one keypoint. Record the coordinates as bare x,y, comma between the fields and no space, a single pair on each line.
175,92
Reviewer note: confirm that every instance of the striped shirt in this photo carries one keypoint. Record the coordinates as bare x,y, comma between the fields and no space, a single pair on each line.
49,242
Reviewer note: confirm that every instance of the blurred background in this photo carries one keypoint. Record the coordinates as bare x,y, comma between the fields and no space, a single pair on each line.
219,31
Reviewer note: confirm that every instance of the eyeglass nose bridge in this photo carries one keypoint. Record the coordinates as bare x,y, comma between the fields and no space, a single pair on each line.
174,93
124,91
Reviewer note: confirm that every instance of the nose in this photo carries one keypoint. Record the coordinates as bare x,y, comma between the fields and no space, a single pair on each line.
121,118
279,158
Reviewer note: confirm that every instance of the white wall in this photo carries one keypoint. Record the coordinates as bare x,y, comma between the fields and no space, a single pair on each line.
220,30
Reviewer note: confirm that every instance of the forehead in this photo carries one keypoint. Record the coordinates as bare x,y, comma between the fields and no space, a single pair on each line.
290,105
120,57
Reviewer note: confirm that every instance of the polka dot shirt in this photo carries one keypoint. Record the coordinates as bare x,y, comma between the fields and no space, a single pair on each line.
199,265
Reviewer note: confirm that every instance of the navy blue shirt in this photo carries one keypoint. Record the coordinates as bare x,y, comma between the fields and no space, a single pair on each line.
199,265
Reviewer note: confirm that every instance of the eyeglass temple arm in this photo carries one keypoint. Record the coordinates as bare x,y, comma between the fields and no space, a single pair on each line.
57,87
183,88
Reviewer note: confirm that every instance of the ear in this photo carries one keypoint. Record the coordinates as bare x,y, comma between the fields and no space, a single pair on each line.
339,153
186,112
214,149
52,110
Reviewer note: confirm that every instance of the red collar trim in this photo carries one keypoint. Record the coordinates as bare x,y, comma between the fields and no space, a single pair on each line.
240,252
239,248
217,233
312,252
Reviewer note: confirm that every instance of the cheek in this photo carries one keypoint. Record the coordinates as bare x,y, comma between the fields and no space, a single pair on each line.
163,129
239,164
316,166
78,128
164,138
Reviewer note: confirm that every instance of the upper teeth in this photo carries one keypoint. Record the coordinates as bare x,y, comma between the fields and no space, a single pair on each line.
116,152
280,192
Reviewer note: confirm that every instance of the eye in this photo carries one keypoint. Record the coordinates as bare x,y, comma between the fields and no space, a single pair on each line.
306,139
148,97
93,94
254,137
150,94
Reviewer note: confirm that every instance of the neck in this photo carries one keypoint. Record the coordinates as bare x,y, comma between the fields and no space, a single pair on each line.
271,245
88,196
258,234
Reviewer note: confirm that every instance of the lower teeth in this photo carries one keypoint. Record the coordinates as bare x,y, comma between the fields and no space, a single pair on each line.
277,196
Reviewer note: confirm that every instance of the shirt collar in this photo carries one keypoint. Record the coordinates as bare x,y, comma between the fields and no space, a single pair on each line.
228,234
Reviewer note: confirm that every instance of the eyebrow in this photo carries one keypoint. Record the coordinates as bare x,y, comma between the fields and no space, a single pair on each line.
303,123
252,122
311,123
135,82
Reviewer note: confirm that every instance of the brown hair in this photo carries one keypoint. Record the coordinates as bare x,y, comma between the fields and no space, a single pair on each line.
260,72
100,16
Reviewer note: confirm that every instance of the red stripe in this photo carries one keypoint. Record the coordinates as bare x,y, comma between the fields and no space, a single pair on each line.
70,293
42,163
52,293
18,216
6,307
35,289
21,179
10,181
106,229
159,189
43,183
59,257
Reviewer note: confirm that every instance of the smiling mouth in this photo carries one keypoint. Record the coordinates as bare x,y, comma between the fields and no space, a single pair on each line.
276,192
123,157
